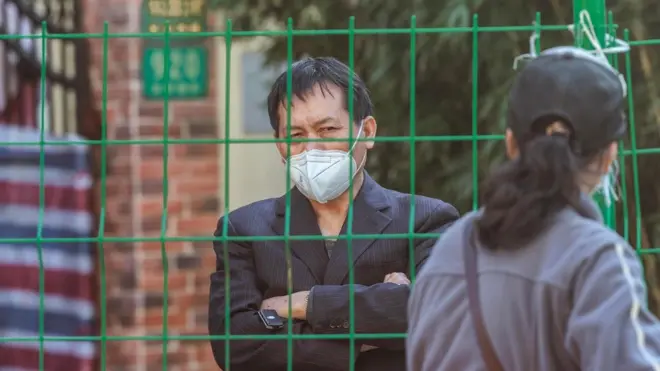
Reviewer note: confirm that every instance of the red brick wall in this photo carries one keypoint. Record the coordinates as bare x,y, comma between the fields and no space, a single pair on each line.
134,203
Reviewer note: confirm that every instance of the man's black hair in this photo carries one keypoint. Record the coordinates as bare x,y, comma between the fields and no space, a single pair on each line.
324,72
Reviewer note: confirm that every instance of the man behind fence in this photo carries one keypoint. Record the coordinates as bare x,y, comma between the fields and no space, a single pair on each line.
257,270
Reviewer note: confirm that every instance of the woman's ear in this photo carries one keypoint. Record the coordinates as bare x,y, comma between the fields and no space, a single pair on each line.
611,155
512,150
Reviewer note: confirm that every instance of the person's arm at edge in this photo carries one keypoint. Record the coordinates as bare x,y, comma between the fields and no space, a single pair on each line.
610,326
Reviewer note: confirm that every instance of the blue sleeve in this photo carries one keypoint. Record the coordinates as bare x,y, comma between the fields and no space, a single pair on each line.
610,326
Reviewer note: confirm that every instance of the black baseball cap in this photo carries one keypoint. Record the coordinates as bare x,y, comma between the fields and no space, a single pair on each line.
575,87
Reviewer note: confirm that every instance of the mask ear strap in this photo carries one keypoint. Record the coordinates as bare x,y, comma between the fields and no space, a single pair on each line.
364,158
359,134
350,152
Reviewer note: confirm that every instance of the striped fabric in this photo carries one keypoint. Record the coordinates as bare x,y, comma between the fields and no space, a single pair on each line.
69,267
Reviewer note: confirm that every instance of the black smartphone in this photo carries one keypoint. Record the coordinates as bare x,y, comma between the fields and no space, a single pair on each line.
270,319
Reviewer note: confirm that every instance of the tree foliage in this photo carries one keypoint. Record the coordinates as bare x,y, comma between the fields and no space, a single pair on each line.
443,83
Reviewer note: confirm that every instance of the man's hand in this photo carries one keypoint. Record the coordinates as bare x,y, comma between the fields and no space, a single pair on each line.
280,304
398,278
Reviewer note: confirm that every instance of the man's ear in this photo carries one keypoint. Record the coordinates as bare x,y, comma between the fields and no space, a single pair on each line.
369,128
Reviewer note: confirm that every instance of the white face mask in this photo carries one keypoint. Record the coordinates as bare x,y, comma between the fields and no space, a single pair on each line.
323,175
607,184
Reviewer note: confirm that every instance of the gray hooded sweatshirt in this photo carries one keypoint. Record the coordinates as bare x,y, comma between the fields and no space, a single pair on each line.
572,300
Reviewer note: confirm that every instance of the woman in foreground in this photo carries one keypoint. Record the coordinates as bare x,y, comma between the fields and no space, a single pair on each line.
534,281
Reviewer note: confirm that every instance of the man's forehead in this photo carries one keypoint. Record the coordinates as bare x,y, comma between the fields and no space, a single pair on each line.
304,115
322,104
312,98
313,121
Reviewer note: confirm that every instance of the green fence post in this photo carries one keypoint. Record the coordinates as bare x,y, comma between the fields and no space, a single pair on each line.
598,14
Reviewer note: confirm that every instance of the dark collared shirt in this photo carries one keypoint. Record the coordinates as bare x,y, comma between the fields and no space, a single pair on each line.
329,244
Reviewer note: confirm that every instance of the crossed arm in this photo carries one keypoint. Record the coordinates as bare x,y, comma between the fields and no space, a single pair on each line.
322,310
245,301
301,309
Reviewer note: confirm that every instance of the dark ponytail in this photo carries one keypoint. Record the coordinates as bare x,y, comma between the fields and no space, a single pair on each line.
524,193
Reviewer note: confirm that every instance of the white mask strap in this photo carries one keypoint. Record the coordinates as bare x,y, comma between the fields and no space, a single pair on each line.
359,133
608,184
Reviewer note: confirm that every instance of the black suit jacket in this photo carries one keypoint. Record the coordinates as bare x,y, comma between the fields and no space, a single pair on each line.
257,270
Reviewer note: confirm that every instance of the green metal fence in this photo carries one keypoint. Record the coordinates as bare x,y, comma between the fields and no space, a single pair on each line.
629,195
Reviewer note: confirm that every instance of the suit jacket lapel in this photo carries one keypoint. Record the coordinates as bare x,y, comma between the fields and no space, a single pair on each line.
369,217
303,223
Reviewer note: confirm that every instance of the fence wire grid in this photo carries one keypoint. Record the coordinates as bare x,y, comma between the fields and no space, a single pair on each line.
628,196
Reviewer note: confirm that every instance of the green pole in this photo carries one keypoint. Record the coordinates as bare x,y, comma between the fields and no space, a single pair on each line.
597,13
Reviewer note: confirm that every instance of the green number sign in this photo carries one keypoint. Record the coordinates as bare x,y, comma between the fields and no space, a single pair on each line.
188,74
